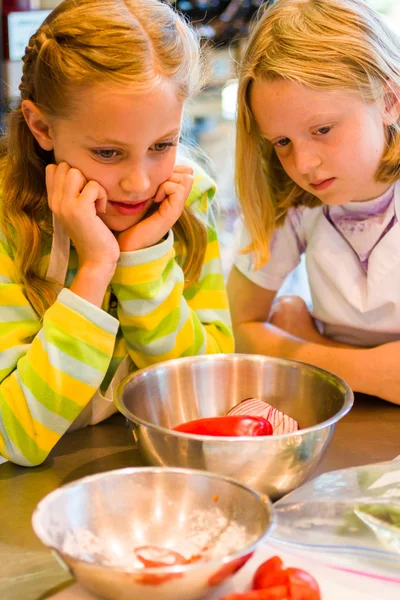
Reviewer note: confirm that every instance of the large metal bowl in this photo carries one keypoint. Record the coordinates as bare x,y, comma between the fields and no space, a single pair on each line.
158,398
95,523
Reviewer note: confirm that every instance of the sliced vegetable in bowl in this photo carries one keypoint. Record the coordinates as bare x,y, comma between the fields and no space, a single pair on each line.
281,423
230,426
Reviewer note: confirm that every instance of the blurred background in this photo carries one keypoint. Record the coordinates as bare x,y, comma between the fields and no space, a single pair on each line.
210,120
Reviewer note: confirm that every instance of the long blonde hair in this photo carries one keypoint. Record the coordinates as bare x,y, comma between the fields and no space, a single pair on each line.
325,45
81,43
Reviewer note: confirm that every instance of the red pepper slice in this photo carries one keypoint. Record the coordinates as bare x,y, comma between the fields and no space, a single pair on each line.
270,573
274,593
302,585
272,577
154,556
233,426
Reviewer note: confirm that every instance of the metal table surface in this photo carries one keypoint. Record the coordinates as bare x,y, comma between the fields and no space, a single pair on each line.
29,571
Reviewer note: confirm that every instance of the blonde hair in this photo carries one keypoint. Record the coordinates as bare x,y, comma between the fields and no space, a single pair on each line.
136,43
325,45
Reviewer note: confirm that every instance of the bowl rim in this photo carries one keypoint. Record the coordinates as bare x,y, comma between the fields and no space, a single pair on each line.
257,358
52,496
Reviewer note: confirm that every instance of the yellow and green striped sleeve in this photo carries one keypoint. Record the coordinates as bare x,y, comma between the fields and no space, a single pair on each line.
160,319
49,371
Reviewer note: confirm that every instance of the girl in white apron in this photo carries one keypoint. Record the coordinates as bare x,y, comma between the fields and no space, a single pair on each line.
109,257
317,169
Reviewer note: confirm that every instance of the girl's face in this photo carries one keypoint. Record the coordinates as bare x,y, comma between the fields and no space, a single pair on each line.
125,141
329,143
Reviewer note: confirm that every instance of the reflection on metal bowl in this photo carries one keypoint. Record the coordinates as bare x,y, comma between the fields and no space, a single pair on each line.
158,398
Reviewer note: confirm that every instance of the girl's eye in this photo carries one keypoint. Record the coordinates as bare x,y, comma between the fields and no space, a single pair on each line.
162,146
282,143
324,130
105,154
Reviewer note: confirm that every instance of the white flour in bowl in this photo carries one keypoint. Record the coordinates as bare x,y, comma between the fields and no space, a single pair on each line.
209,534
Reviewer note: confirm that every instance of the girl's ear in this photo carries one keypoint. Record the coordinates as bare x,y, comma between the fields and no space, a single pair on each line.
38,124
391,105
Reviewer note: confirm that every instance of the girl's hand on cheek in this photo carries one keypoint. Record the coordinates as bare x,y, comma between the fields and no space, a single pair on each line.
169,202
75,202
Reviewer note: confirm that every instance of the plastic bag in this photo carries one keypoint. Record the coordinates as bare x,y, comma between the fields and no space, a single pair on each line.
349,519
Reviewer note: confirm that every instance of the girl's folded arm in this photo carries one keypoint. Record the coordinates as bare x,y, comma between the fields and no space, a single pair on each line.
48,371
371,371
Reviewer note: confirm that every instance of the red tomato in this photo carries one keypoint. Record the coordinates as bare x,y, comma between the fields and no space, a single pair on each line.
274,593
299,584
302,585
269,574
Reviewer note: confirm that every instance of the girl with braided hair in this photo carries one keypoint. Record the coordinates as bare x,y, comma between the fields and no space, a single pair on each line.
109,257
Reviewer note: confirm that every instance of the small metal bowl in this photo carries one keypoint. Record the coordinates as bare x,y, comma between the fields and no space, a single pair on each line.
95,524
158,398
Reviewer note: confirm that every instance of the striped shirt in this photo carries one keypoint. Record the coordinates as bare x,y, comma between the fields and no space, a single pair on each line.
50,369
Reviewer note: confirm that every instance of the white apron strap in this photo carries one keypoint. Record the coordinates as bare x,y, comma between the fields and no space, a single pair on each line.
59,256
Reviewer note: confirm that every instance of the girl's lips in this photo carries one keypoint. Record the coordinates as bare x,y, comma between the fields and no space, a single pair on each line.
128,209
323,185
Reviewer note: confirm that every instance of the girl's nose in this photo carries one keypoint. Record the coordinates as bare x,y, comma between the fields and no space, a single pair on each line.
306,160
136,182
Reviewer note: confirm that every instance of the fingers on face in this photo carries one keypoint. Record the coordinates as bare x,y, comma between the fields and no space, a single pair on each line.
177,182
66,186
74,183
175,190
63,183
161,194
182,178
95,193
183,169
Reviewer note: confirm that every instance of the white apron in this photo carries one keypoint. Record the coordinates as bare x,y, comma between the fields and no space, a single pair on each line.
100,407
353,306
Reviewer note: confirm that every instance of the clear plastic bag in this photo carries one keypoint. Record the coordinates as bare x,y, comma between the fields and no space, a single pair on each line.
349,519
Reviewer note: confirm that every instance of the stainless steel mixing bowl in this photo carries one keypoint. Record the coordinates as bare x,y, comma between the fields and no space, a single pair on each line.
160,397
95,524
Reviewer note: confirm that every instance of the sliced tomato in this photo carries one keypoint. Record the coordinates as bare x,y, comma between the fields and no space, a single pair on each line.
302,585
274,563
274,593
270,574
154,556
272,582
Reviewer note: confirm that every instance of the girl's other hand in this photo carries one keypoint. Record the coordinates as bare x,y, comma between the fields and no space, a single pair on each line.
75,202
169,202
291,314
381,375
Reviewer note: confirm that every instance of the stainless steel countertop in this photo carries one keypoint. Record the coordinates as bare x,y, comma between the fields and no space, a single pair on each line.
28,571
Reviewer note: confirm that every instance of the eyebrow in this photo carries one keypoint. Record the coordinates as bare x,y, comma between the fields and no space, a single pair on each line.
174,133
317,119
